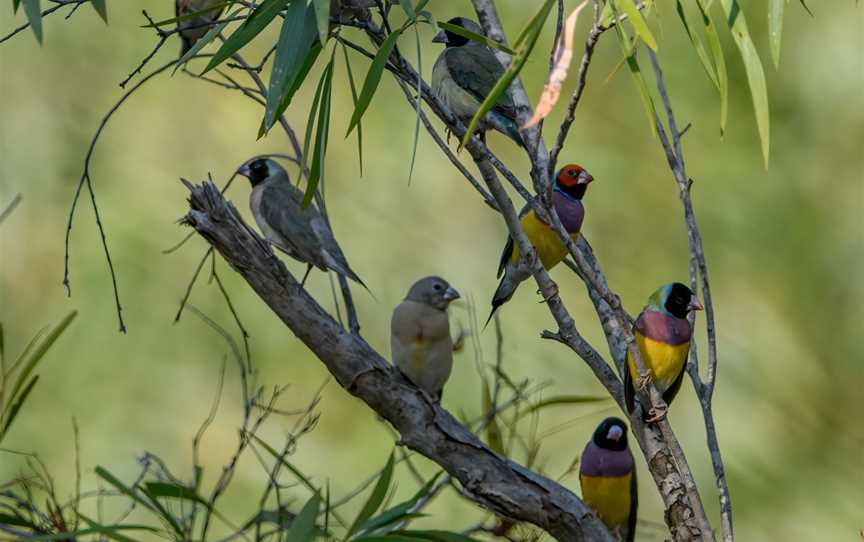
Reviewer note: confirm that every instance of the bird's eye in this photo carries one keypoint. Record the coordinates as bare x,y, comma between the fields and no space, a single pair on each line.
571,172
438,286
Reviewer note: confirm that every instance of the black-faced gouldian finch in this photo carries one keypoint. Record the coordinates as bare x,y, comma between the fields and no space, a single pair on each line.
570,185
191,30
420,335
607,475
301,233
663,335
465,73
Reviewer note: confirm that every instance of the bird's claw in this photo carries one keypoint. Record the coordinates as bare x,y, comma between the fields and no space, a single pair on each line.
657,413
550,296
643,381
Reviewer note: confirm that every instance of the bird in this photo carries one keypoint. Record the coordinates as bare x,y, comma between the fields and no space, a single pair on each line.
465,73
191,30
301,233
420,340
663,335
607,475
569,187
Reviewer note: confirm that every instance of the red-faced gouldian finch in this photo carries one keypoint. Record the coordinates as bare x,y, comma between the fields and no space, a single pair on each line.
465,73
663,335
570,185
191,30
301,233
607,475
420,335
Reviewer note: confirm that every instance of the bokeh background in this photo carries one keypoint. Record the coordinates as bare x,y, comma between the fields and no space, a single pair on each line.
784,246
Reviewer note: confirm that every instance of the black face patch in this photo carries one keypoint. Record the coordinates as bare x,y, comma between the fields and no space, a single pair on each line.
600,435
678,302
258,171
456,40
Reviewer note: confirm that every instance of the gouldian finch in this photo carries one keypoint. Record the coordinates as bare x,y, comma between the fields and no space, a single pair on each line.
570,185
420,335
663,335
191,30
465,73
301,233
607,475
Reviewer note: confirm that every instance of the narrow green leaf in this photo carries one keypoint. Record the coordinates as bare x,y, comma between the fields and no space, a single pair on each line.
316,171
285,463
101,9
33,11
436,536
400,512
150,504
354,97
16,406
109,531
309,61
29,363
419,104
16,520
480,38
251,27
493,431
420,5
716,50
375,498
804,5
310,123
755,74
15,4
373,77
322,16
525,44
697,45
408,8
561,400
71,535
295,39
175,491
202,42
629,50
640,25
775,28
303,526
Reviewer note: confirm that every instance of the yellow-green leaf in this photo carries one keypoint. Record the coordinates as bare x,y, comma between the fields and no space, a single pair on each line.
322,16
716,50
775,27
373,77
479,38
755,74
629,50
640,25
251,27
697,45
101,9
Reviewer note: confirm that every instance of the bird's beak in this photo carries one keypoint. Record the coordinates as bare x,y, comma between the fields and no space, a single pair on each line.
440,37
615,433
244,170
584,177
695,305
450,294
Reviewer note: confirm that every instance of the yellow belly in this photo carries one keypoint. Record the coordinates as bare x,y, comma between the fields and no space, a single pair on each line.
549,247
609,496
665,361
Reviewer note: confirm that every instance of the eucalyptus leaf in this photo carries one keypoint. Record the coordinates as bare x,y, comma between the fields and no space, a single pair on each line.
629,50
297,81
101,8
251,27
640,25
408,8
716,50
202,42
755,74
174,491
322,18
375,498
33,11
775,28
373,77
316,171
295,40
479,38
701,53
303,527
355,98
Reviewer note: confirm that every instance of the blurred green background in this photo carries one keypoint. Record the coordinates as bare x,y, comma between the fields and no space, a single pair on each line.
784,247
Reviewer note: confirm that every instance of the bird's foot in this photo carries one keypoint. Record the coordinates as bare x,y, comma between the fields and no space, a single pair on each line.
657,412
551,295
644,380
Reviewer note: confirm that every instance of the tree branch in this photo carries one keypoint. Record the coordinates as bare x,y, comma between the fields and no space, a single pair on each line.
493,481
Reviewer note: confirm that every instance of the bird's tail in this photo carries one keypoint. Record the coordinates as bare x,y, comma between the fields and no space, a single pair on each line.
185,45
342,268
503,293
507,127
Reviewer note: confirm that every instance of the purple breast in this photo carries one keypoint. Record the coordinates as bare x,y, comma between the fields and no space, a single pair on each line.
664,328
570,211
596,461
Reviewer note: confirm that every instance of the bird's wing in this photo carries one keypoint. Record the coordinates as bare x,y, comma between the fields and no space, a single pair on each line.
629,390
634,505
508,247
335,257
281,208
475,68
